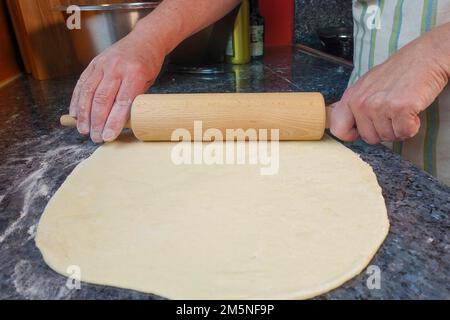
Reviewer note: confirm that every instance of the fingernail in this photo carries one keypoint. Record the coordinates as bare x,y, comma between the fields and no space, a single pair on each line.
83,129
108,135
96,137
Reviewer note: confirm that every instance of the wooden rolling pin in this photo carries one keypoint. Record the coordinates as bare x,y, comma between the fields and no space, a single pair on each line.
298,116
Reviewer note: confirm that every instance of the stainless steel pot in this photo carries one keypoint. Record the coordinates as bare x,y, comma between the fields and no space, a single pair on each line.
103,25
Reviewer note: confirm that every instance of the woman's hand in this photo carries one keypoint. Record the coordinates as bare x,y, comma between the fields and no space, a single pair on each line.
105,91
103,96
384,104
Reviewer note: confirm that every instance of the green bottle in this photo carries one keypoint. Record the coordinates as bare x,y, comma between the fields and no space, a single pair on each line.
256,31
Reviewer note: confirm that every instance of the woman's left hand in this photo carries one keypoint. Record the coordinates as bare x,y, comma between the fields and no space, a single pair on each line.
385,103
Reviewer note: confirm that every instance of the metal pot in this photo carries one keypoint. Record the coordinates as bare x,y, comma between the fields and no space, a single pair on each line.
337,41
204,52
103,25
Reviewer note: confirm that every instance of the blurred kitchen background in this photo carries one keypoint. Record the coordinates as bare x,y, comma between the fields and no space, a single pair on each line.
35,40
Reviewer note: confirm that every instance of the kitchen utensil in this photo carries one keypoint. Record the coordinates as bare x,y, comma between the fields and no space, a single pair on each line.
298,116
103,25
337,41
204,50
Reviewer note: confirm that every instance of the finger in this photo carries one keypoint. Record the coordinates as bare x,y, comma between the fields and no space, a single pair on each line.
73,110
120,112
384,128
85,101
342,122
366,129
118,116
406,126
362,108
101,106
375,107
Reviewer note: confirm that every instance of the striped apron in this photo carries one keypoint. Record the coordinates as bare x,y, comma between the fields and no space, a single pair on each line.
381,28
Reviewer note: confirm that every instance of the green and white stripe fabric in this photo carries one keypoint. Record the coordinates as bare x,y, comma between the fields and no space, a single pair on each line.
381,28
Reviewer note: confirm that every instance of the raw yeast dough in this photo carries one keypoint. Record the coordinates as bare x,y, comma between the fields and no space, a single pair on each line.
128,217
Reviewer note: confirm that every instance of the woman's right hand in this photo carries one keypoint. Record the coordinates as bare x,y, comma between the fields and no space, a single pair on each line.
103,96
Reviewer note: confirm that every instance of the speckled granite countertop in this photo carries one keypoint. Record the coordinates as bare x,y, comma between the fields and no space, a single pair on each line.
36,155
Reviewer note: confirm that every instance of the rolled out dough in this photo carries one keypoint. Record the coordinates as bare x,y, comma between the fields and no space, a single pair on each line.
128,217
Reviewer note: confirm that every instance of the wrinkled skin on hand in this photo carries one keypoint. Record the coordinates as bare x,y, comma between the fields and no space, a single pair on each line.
385,103
104,93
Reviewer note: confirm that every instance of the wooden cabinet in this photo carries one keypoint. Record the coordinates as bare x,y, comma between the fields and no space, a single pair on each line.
10,64
43,38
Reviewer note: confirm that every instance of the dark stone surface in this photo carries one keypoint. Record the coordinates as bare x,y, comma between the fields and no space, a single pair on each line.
36,155
311,15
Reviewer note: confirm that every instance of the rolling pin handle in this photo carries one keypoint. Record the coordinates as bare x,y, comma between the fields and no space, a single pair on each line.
68,121
71,122
328,116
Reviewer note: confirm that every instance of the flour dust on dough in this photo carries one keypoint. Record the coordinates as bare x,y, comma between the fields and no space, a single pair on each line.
130,218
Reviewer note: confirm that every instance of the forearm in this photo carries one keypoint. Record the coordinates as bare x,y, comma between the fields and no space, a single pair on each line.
440,39
175,20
